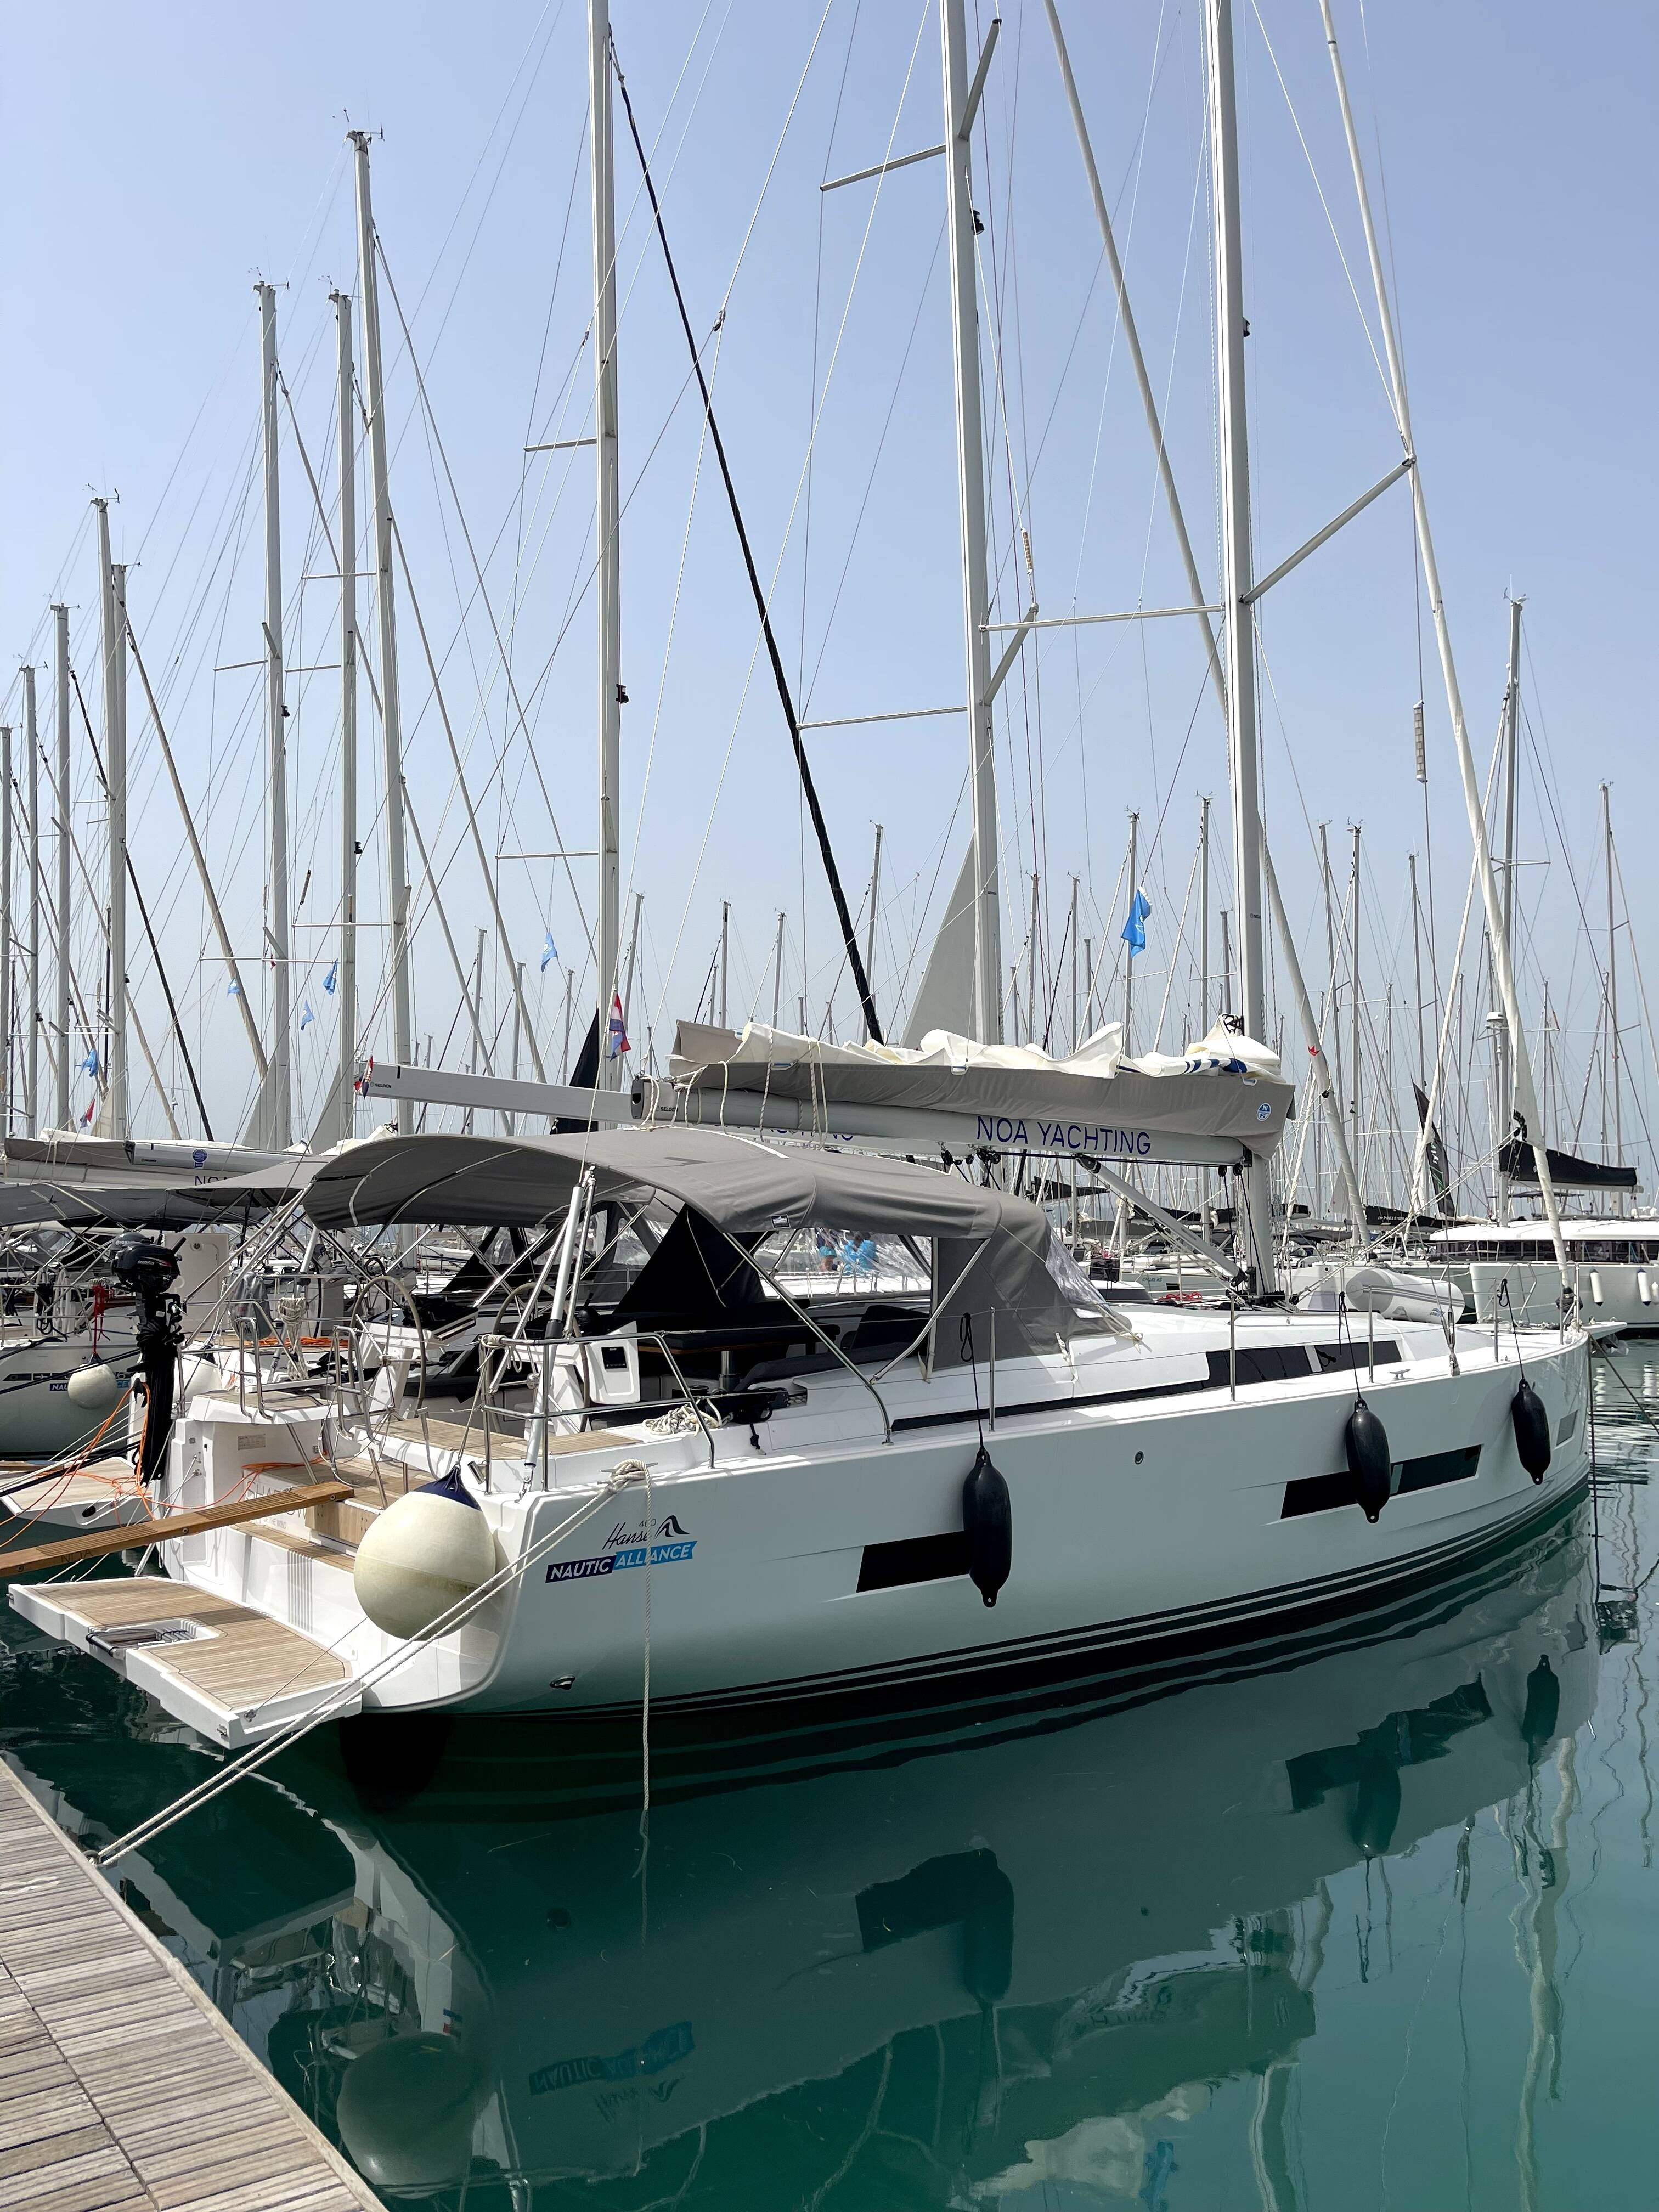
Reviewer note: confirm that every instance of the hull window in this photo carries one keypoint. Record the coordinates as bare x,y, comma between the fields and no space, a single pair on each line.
1261,1363
1322,1494
914,1560
1335,1359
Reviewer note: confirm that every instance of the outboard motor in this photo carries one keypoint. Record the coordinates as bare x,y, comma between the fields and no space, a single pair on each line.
148,1270
988,1519
1532,1430
1366,1441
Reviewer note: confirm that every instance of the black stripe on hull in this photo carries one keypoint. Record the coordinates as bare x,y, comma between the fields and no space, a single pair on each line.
564,1764
1151,1644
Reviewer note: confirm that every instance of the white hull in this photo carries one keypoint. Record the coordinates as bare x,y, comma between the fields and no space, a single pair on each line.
38,1418
1147,1523
1088,1878
1604,1292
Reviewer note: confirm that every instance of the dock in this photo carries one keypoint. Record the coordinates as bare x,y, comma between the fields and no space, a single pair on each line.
122,2089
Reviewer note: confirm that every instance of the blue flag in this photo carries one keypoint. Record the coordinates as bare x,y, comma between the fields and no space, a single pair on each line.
307,1017
1135,930
89,1064
549,952
331,979
235,991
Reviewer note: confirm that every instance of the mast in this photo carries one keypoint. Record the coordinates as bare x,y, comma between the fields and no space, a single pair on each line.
609,581
385,617
870,933
777,974
1526,1097
628,969
725,956
970,499
1235,593
1505,1082
32,1048
1204,917
1071,931
346,980
5,925
61,688
1129,949
1612,994
113,577
1417,971
1353,985
279,1128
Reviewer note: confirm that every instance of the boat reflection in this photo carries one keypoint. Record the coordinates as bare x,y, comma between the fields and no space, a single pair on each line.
1002,1966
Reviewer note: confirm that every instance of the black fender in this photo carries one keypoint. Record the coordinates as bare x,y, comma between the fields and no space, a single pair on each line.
1366,1442
988,1520
1531,1424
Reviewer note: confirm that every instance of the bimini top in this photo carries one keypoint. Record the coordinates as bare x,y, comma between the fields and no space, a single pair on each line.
990,1250
743,1187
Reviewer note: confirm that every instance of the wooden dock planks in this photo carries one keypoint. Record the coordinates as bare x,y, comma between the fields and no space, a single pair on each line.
121,2089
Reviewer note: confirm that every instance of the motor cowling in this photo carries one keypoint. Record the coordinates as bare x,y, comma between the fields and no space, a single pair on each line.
421,1555
1366,1442
988,1520
1531,1424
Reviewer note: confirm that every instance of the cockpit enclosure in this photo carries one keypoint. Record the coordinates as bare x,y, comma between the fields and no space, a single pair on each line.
738,1264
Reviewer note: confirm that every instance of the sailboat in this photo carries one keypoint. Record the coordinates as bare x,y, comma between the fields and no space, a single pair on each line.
732,1493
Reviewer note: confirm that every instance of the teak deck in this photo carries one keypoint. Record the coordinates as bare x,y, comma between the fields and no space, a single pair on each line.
121,2089
248,1658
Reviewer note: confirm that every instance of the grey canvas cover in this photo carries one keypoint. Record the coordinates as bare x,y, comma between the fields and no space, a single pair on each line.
1249,1108
747,1189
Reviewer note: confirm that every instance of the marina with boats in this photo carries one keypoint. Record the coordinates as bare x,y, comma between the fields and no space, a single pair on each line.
675,1603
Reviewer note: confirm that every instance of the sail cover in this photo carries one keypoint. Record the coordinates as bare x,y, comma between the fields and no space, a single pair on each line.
1567,1172
1223,1087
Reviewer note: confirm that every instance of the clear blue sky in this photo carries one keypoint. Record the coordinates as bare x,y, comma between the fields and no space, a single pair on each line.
154,163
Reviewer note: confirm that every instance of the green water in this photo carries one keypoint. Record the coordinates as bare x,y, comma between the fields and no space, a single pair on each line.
1371,1926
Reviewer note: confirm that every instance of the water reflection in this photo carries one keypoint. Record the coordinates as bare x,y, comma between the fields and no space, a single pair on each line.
1019,1969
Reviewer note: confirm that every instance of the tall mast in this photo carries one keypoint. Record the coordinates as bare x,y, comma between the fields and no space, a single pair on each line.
60,670
1204,917
1072,933
1612,994
32,1048
345,982
279,1131
1505,1059
1353,985
870,933
608,520
403,1024
113,582
970,496
5,927
1417,971
1235,592
1330,955
1526,1098
1129,949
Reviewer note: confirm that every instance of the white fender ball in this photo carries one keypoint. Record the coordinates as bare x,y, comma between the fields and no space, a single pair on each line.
94,1387
407,2108
420,1555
